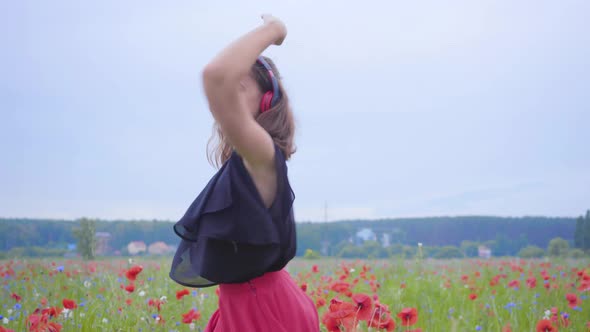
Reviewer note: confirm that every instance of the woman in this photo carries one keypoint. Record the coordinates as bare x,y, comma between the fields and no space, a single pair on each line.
239,233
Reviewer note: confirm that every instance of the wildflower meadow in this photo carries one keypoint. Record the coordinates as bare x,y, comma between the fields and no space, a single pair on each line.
350,295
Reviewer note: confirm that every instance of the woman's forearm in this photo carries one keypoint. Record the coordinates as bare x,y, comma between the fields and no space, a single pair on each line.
236,60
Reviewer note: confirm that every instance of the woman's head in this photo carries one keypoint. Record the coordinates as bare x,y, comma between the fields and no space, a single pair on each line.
277,120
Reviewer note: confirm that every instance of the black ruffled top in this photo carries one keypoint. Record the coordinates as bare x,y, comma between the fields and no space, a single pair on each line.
228,235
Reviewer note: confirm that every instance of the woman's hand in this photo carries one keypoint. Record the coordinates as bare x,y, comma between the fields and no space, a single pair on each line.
278,25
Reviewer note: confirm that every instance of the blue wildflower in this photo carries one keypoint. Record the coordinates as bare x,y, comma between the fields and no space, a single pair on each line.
478,328
509,306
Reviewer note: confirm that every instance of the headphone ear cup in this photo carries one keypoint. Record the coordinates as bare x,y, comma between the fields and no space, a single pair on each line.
265,102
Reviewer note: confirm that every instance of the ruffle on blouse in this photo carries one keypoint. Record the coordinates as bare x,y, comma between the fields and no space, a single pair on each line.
227,233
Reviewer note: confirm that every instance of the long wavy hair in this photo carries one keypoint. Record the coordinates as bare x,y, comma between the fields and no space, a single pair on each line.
278,121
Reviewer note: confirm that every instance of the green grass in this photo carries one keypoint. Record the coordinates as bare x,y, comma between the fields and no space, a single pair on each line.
434,288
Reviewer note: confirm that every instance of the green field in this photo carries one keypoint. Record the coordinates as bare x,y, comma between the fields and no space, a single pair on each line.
460,295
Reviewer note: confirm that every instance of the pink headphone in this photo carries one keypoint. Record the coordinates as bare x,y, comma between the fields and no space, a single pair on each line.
270,98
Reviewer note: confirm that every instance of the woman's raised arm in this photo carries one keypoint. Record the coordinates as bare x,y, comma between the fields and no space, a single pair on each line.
228,102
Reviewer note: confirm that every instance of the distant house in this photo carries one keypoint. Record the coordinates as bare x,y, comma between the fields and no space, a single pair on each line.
484,252
366,234
102,243
136,247
385,240
159,248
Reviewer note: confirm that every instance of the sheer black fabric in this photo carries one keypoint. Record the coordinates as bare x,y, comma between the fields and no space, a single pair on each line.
228,235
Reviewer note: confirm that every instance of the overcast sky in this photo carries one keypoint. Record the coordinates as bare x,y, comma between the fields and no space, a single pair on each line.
404,108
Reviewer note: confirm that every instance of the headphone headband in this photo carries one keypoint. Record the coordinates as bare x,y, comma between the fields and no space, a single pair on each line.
275,83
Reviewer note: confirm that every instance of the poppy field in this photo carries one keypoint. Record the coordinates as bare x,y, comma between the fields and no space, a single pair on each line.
372,295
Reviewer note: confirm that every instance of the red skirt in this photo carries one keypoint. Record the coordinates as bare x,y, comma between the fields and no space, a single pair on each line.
272,302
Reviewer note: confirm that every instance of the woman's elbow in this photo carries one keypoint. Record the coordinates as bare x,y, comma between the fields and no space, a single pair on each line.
213,75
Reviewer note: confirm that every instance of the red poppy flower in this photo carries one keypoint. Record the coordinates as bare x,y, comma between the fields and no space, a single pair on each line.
16,297
132,273
130,288
40,323
409,316
155,303
340,314
545,325
572,300
364,306
514,284
385,322
69,304
507,328
472,296
315,269
303,287
320,302
331,325
531,282
190,316
340,287
181,293
584,286
52,312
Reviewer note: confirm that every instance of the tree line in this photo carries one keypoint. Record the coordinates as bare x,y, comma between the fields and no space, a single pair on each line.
440,236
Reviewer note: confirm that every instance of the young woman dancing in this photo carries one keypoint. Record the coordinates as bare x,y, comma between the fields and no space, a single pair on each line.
239,233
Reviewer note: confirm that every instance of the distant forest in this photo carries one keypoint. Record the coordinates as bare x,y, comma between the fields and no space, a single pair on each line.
354,238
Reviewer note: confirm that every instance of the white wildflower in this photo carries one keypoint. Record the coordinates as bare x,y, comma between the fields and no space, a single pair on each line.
130,261
141,293
419,244
5,320
67,313
192,326
157,319
352,270
87,284
163,298
9,311
142,318
104,320
547,314
82,314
